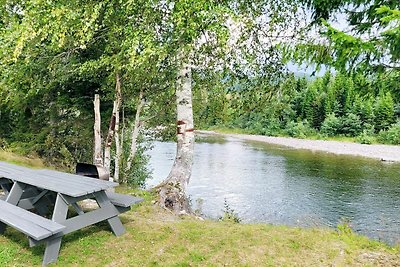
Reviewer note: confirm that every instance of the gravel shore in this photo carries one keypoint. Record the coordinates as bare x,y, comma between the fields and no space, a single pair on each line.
380,152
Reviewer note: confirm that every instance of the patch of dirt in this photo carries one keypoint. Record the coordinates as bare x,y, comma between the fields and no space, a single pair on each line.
380,259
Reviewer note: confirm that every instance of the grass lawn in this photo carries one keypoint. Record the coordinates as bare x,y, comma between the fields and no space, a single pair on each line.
10,157
157,238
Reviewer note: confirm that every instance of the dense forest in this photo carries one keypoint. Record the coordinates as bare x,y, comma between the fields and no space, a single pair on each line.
330,106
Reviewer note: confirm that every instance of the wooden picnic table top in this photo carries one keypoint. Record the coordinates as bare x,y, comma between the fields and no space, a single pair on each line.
68,184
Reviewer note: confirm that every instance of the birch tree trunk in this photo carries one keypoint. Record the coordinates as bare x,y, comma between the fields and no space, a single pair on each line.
118,148
172,191
111,128
135,132
97,155
110,135
118,141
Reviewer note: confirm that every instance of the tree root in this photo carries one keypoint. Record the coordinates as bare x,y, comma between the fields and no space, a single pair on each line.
173,198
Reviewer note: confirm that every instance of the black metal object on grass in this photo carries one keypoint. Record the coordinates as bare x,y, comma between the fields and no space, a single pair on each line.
90,170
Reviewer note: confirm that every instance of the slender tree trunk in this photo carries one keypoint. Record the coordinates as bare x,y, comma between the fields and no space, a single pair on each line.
118,148
122,145
97,155
172,191
111,128
118,143
135,132
110,135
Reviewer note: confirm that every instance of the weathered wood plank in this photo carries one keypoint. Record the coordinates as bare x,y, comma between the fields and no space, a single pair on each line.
27,222
65,183
123,200
89,184
82,179
39,220
24,226
51,183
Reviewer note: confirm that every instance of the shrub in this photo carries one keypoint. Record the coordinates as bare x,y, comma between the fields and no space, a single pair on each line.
273,128
331,125
351,125
368,135
391,135
344,227
139,172
3,143
229,214
365,138
299,129
384,111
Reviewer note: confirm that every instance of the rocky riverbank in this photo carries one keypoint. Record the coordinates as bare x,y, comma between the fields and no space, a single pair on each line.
389,153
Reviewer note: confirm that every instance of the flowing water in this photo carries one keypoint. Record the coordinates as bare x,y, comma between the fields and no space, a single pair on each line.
279,185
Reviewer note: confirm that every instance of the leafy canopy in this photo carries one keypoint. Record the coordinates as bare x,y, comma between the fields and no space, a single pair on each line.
370,43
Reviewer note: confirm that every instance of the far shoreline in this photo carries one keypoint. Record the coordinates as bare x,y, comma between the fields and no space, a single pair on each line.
390,153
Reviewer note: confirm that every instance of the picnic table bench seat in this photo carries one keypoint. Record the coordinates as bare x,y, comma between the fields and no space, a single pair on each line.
124,201
33,225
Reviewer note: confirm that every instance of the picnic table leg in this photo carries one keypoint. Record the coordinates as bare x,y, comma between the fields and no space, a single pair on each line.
114,222
6,188
42,202
13,197
53,245
15,193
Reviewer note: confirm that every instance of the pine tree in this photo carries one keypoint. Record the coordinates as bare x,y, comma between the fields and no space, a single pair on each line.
384,111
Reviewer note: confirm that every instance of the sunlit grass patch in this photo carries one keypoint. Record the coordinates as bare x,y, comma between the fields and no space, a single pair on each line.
11,157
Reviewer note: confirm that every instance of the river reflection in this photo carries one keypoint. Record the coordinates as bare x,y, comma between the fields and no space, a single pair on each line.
267,183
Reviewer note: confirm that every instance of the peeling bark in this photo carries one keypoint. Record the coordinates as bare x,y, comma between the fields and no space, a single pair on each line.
97,155
172,192
118,148
135,131
111,128
118,141
110,135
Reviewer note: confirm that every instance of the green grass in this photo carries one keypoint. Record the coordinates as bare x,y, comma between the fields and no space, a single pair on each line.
32,162
155,237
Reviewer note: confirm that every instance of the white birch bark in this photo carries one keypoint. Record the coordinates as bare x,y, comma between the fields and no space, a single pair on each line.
111,128
135,131
172,191
118,148
97,155
118,143
110,135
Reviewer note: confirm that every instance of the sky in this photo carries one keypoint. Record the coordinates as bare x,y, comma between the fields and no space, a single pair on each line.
338,21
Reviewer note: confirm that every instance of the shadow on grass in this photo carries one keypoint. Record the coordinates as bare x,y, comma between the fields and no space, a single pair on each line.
21,240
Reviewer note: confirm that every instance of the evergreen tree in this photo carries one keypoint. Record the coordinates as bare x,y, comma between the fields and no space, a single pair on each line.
384,111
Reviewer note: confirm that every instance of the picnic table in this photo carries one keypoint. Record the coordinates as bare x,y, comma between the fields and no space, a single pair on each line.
36,202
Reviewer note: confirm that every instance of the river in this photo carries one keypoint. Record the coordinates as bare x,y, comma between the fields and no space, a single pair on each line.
280,185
